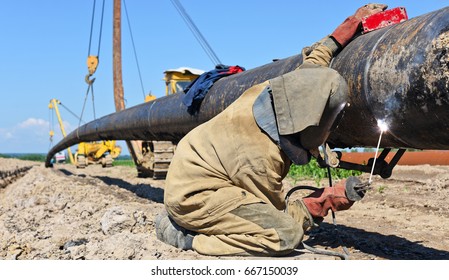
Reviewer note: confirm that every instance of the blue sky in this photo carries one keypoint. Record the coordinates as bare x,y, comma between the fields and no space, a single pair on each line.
44,48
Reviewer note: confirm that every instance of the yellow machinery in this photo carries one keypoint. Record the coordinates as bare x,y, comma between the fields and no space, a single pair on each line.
54,106
102,152
176,80
156,155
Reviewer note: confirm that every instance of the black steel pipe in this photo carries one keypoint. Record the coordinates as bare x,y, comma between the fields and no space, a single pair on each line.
399,74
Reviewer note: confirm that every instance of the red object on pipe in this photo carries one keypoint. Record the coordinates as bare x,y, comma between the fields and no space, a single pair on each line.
384,19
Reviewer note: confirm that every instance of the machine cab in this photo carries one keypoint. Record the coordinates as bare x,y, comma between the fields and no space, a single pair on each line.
176,80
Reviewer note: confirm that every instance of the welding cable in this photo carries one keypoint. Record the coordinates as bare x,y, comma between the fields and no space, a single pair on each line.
324,252
334,218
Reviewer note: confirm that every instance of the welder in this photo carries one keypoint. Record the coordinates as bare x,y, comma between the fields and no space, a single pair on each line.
224,193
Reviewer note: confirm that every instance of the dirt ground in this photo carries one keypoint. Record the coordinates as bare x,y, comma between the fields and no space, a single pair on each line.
108,213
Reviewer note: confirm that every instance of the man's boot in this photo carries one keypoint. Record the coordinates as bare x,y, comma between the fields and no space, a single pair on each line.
169,232
319,202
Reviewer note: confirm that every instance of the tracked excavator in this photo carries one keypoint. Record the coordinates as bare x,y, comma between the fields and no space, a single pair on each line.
100,152
155,156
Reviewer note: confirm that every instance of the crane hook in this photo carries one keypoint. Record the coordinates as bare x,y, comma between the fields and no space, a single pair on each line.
88,80
92,63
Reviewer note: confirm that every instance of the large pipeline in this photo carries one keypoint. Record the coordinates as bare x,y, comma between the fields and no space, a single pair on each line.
399,74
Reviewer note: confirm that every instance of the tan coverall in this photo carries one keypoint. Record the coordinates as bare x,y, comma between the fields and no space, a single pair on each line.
225,183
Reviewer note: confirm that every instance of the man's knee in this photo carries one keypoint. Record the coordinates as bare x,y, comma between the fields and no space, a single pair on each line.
290,237
289,232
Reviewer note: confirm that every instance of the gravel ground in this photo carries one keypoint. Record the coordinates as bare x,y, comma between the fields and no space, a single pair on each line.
108,213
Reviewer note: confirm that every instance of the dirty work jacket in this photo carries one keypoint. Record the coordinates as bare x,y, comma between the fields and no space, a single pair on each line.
227,162
222,164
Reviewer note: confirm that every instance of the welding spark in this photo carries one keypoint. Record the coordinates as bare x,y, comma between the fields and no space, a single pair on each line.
382,125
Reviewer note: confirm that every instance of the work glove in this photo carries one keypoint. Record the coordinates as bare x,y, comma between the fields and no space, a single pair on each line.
298,211
321,201
345,32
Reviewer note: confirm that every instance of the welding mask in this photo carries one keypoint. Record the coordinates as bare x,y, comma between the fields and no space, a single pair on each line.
308,104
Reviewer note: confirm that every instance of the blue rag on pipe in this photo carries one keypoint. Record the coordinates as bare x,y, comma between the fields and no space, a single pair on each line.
197,90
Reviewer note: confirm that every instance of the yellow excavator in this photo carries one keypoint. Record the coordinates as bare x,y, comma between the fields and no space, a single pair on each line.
176,80
155,156
101,152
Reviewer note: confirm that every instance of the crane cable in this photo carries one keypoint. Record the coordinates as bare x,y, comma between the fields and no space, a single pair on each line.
196,32
134,48
92,28
51,122
92,61
71,112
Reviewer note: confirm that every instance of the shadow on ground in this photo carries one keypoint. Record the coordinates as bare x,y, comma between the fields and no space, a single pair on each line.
141,190
383,246
69,173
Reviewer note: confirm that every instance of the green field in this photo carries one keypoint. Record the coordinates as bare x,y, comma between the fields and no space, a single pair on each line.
31,156
120,161
315,172
297,172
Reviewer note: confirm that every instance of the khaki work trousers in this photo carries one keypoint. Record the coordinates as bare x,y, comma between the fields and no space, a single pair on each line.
253,229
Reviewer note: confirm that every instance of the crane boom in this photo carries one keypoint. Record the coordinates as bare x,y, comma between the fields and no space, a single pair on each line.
54,105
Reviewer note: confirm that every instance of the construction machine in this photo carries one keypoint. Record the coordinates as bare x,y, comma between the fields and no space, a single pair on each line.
176,80
60,157
101,152
156,156
53,105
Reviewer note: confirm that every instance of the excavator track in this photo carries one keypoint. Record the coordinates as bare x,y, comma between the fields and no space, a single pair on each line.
106,161
156,159
163,154
81,161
